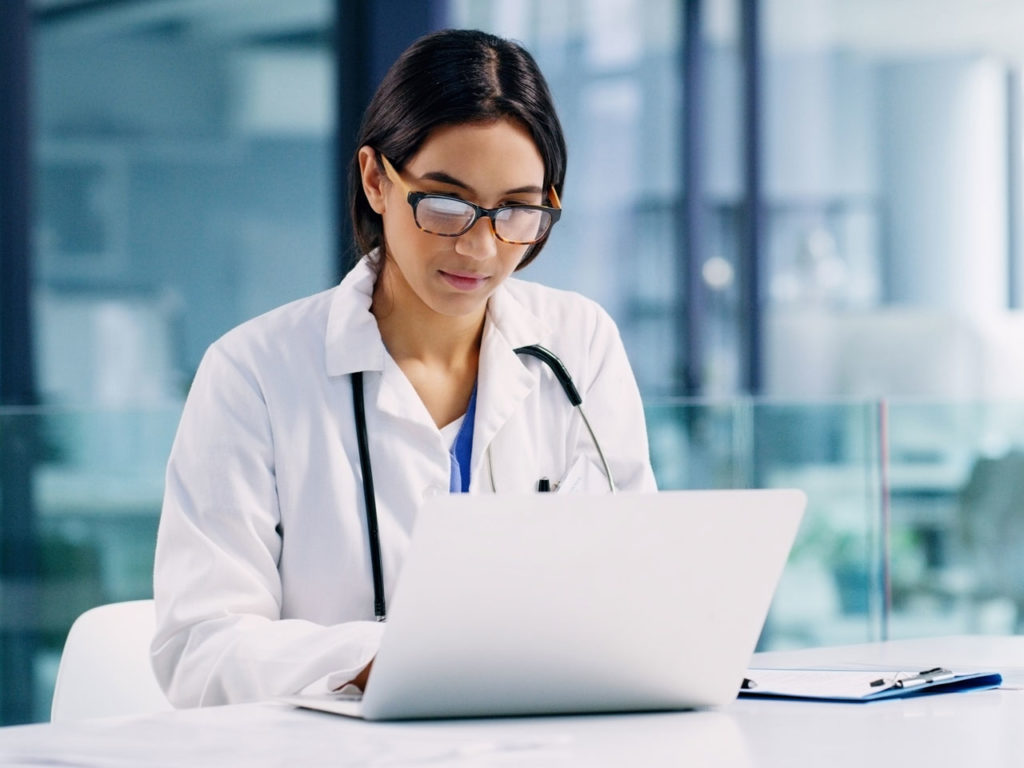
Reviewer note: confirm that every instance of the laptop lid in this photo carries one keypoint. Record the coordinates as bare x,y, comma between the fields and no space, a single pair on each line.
555,603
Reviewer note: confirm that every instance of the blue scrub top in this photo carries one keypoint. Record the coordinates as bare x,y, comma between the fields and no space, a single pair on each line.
462,449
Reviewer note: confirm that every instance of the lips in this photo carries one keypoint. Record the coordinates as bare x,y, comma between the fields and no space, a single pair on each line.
463,281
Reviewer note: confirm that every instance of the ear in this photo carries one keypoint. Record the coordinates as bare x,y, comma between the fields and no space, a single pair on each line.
375,183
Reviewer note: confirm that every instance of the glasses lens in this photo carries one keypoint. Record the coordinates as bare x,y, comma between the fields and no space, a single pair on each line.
521,224
443,215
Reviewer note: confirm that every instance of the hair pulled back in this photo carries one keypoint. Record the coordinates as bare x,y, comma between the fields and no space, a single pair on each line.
446,78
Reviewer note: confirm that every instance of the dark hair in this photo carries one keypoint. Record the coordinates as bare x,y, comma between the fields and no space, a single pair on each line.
453,77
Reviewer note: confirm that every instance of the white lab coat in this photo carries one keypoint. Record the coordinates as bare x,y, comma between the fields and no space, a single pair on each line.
263,579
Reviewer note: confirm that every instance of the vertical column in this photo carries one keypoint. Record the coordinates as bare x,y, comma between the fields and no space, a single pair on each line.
368,37
352,93
752,235
944,188
1014,151
17,385
691,317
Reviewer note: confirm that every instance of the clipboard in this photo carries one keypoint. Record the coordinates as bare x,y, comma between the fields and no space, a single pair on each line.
860,685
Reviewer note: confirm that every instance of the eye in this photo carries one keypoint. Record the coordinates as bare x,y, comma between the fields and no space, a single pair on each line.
445,204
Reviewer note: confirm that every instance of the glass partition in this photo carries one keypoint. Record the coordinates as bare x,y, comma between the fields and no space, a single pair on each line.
914,524
956,532
832,589
80,495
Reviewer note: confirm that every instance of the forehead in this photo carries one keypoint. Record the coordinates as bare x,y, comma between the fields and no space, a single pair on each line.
498,154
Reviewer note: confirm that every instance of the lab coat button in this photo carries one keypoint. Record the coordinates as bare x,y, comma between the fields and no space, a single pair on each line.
432,490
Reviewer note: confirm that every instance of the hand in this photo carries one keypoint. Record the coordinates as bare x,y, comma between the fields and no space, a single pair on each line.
360,679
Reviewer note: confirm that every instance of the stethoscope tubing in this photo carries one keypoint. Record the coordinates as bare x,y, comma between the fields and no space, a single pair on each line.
369,497
554,362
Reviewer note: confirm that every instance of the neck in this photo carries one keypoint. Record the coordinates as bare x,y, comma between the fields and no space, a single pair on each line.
412,331
439,354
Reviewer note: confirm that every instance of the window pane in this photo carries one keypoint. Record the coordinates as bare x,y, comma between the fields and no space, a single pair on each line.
183,184
612,66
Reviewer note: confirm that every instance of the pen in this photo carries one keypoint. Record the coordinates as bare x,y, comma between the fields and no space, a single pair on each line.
924,677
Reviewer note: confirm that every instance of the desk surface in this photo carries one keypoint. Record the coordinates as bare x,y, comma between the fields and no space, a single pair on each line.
980,729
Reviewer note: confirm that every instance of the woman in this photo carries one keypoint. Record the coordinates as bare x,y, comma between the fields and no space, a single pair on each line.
264,579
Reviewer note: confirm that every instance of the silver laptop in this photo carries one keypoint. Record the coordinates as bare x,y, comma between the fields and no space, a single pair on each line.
555,603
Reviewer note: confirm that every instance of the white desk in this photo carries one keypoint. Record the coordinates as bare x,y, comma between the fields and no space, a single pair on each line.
979,729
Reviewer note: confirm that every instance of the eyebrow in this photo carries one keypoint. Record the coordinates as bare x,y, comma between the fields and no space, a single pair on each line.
445,178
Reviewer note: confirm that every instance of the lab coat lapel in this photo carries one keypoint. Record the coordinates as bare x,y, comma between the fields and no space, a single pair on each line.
503,385
353,343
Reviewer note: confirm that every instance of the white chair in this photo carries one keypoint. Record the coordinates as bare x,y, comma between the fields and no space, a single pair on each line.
104,669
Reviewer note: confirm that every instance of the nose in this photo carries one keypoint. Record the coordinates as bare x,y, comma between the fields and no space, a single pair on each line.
480,242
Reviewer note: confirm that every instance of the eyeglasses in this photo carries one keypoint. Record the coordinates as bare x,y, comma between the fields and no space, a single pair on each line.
451,216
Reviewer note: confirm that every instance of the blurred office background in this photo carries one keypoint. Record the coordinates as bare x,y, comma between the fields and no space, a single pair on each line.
805,216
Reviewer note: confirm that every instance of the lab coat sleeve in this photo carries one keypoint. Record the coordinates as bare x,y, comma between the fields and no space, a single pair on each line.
220,637
613,405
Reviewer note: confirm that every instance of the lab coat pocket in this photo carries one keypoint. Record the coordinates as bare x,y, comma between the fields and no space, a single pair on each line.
583,476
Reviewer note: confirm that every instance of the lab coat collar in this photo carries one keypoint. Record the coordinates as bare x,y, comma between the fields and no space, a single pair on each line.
504,382
353,341
517,325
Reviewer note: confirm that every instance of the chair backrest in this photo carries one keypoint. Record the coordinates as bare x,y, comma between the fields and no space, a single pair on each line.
105,668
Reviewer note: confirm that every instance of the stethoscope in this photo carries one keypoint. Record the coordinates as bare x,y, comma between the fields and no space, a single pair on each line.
369,497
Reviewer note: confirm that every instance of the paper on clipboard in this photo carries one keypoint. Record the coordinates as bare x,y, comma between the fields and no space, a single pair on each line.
860,685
